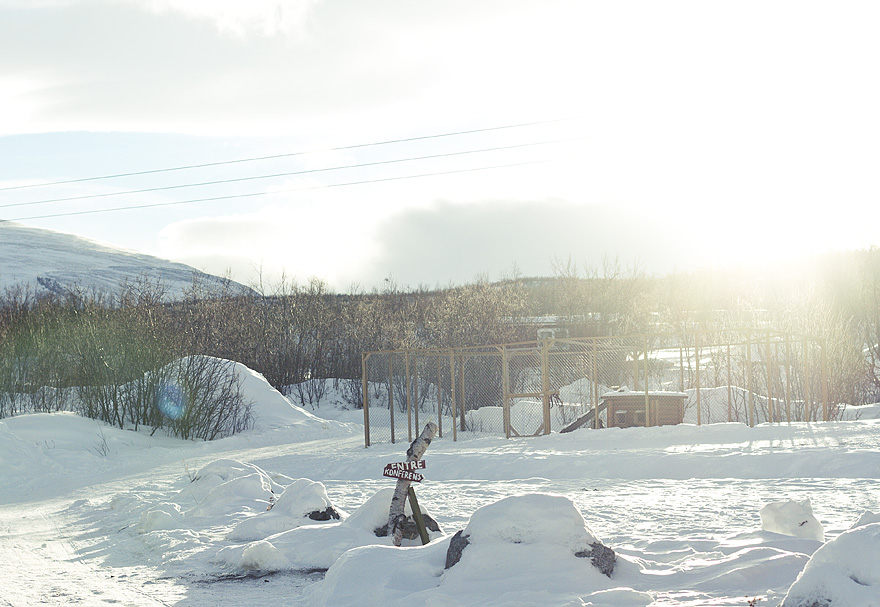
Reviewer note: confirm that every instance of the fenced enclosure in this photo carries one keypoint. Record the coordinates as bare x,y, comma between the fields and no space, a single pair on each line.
532,388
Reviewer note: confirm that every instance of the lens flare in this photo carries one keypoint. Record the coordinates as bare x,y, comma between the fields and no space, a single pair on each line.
171,400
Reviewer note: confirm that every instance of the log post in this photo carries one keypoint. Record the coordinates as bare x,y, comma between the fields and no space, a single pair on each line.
396,516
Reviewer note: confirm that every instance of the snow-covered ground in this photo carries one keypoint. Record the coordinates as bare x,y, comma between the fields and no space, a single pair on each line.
721,514
49,261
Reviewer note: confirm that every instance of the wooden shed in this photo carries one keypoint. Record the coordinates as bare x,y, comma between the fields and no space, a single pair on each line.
626,408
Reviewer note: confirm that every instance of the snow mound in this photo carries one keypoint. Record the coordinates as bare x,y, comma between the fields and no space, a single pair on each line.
226,486
522,553
318,546
164,516
270,408
866,519
842,573
290,510
531,519
794,518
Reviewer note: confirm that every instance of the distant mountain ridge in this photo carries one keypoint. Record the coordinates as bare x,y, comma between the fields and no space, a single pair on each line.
55,262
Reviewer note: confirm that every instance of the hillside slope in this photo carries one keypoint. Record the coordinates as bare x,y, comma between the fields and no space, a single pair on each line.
56,262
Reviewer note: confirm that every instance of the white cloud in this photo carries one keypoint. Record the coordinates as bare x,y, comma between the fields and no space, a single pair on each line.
263,17
300,241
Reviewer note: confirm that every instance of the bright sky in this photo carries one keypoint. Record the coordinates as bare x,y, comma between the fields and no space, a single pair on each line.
672,134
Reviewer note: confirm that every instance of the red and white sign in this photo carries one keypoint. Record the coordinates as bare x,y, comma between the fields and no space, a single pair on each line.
405,470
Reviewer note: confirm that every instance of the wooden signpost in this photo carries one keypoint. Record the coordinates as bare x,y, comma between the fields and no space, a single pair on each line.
405,473
405,470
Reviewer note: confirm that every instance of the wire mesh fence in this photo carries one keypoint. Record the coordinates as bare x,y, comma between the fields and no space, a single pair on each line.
532,388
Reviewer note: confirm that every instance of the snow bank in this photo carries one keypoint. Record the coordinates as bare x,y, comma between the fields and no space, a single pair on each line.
522,550
319,546
531,519
290,510
842,573
228,486
793,518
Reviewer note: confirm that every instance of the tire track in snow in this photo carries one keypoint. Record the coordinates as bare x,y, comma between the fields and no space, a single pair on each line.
43,568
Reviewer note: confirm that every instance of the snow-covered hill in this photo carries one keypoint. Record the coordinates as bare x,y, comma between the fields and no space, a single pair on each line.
54,261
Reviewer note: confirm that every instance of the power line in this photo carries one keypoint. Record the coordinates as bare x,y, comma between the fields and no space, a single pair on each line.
287,155
287,174
254,194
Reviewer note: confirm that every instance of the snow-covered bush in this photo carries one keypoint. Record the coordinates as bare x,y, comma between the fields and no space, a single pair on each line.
196,397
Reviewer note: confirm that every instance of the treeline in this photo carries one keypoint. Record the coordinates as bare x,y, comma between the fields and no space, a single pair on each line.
297,335
108,355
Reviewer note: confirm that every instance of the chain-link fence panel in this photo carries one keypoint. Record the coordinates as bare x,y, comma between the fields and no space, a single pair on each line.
524,403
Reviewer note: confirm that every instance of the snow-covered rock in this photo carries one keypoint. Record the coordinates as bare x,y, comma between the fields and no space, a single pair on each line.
842,573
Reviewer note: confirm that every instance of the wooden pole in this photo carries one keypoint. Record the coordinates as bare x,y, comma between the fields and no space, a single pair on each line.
409,417
439,400
808,406
365,394
697,369
462,403
825,403
416,392
729,388
595,386
452,393
749,380
680,367
391,392
505,372
787,379
770,417
647,398
545,383
417,516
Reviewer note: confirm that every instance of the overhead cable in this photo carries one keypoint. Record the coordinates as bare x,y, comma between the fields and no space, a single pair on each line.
287,174
286,155
286,191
